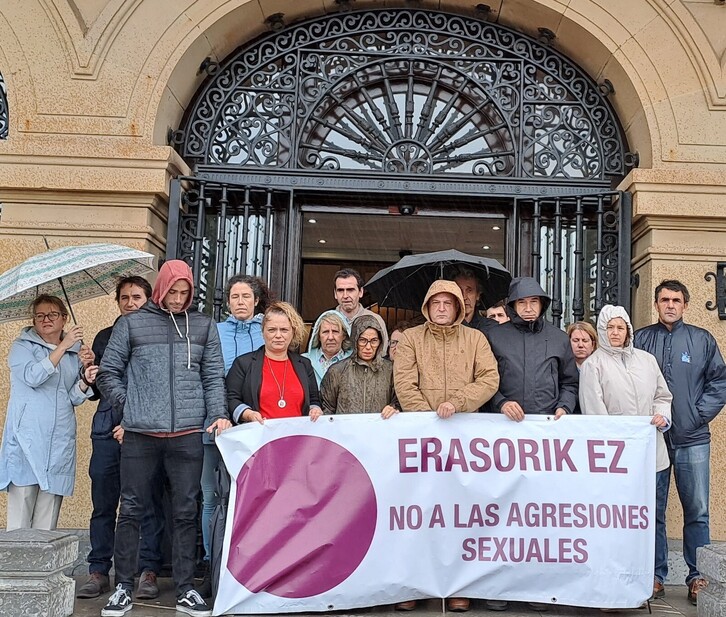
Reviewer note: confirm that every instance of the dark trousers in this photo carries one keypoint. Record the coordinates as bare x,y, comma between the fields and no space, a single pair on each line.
143,457
104,471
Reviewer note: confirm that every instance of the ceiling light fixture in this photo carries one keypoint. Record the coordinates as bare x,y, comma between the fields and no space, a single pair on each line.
496,228
313,221
321,241
486,247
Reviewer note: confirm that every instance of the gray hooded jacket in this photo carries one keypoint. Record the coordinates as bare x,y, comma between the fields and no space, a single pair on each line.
164,372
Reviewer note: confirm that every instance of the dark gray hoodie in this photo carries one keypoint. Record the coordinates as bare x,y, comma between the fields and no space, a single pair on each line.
536,365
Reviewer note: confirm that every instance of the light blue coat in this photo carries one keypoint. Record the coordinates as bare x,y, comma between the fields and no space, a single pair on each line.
39,440
239,337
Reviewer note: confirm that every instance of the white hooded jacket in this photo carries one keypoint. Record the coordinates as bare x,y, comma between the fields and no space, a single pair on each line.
624,381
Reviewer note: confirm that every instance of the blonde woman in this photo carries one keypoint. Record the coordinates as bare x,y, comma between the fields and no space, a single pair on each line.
274,381
583,339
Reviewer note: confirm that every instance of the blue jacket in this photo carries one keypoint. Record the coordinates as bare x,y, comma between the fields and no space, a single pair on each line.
39,440
239,337
106,418
695,373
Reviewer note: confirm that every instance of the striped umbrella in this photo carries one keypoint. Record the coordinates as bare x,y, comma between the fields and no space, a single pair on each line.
75,273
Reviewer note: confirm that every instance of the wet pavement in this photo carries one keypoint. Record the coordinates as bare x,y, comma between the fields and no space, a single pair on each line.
674,604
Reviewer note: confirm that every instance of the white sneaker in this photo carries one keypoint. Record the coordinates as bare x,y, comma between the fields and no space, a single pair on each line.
193,604
119,603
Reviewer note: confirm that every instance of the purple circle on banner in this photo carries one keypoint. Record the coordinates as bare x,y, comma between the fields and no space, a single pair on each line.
304,517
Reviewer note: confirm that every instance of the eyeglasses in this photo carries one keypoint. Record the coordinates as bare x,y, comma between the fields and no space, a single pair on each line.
41,317
364,342
393,343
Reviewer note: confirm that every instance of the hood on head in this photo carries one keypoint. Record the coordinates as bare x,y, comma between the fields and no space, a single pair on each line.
359,326
607,313
441,286
314,342
525,287
172,271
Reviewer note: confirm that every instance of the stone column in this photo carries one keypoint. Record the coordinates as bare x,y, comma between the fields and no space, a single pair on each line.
31,572
711,563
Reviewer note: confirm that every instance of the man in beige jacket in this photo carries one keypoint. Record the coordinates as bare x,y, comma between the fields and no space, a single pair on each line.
444,366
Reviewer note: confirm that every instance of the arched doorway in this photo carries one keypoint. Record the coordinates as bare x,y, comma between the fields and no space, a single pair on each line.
429,123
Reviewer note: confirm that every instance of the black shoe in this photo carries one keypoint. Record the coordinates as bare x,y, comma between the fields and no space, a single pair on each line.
96,584
119,603
193,604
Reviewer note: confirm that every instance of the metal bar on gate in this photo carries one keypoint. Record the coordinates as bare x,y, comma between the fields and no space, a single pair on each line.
231,265
557,266
536,257
221,255
267,236
625,249
199,240
512,237
578,303
172,225
599,251
244,245
291,256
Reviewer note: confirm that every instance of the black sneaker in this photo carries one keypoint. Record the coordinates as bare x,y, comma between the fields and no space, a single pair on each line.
119,603
193,604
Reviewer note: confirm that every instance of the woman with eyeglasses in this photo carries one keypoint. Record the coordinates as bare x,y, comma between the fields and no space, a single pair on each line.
362,383
38,452
274,381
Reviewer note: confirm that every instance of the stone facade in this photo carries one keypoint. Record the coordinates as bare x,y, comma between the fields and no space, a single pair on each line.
94,86
31,572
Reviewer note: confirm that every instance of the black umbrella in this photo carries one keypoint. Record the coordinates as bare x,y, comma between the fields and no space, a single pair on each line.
405,283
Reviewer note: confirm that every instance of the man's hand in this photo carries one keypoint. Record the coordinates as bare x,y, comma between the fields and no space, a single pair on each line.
118,434
513,410
561,411
445,410
86,356
659,421
388,411
219,425
89,374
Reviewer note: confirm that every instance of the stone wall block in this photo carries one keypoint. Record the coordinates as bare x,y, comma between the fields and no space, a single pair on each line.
711,563
711,560
32,582
710,605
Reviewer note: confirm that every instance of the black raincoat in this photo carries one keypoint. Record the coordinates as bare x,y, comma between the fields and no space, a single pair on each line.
536,365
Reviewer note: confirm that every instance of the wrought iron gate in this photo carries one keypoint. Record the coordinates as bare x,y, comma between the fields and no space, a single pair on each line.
579,249
225,229
404,101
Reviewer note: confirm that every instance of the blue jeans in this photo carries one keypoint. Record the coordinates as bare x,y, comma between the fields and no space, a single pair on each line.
104,471
691,468
142,459
210,498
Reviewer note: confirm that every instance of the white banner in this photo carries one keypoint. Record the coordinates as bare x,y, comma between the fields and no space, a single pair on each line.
353,511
